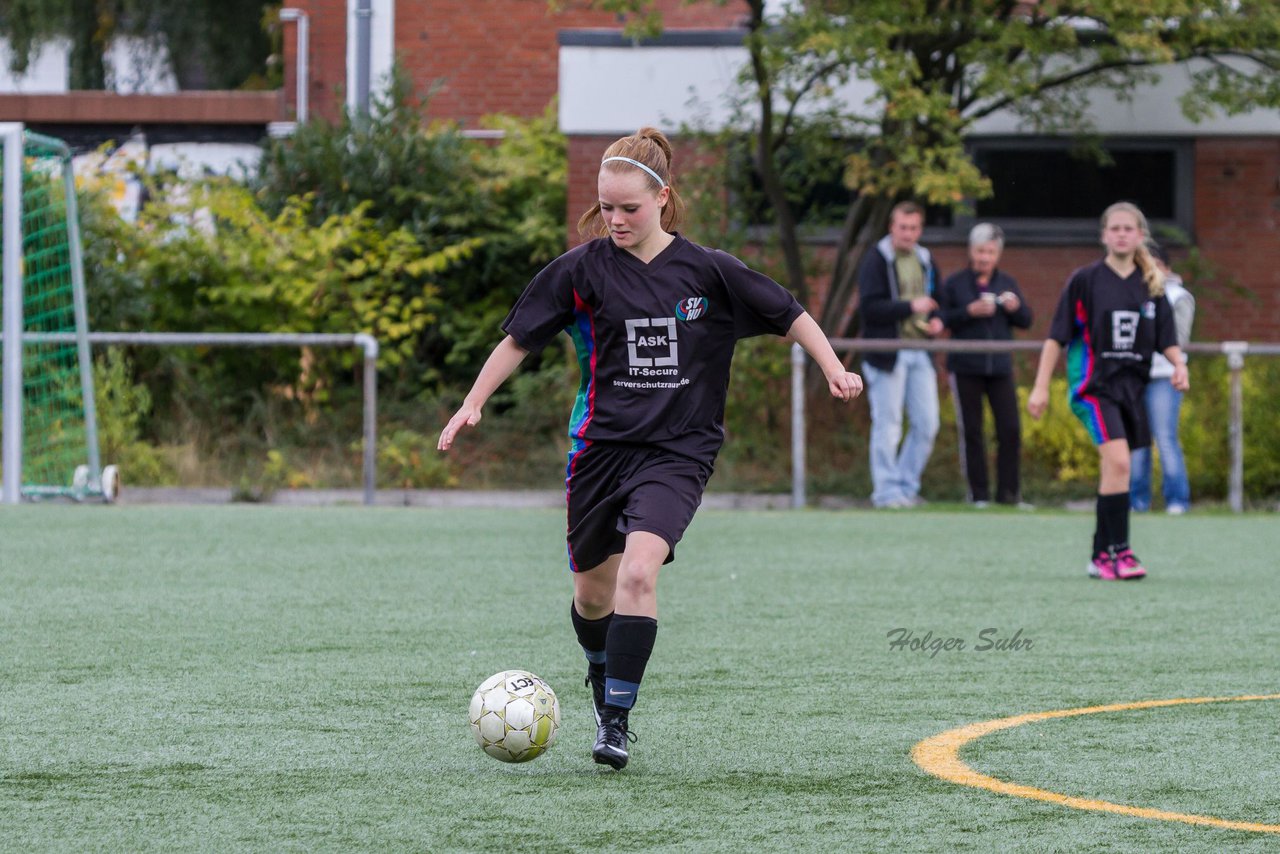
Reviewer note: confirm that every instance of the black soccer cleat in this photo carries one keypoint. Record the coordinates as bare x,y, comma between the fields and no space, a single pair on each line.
595,681
612,737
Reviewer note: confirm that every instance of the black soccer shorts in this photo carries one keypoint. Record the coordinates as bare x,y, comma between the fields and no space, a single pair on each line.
1120,413
613,490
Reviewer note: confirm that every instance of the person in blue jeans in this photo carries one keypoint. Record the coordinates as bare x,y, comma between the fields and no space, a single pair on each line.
897,281
1164,405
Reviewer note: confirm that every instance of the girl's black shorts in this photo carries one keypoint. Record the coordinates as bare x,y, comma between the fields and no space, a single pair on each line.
613,490
1119,413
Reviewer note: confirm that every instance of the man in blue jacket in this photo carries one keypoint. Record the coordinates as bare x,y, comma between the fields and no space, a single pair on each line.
897,281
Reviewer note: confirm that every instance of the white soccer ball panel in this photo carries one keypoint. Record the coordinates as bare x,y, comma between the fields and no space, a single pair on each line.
492,728
494,680
496,699
517,741
519,713
498,751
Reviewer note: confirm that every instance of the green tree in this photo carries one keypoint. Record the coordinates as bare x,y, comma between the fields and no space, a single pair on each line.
210,44
939,66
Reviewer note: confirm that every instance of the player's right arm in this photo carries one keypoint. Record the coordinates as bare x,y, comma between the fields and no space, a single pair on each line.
1038,400
1061,329
502,362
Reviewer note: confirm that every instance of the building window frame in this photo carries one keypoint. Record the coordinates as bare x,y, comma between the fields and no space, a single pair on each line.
1040,231
1069,230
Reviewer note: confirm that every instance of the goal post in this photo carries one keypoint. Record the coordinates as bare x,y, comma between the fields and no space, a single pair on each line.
50,421
11,262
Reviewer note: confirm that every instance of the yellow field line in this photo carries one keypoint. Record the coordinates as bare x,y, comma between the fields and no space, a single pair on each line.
939,755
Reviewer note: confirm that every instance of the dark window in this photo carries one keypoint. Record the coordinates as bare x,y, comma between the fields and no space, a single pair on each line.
1062,184
1045,190
1048,190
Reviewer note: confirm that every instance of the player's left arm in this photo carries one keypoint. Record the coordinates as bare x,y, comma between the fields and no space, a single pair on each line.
805,331
1181,380
1166,333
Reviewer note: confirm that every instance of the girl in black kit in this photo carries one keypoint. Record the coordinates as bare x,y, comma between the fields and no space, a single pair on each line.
654,320
1112,316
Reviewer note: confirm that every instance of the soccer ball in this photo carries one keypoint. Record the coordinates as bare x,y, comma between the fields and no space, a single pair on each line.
515,716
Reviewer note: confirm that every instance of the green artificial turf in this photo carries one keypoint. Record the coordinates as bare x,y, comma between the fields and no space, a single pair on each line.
270,678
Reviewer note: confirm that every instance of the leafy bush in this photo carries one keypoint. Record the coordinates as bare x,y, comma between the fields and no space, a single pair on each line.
504,202
1205,430
121,407
418,235
409,460
1058,441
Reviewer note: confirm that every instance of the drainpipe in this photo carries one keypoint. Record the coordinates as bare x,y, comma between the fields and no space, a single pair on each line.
364,60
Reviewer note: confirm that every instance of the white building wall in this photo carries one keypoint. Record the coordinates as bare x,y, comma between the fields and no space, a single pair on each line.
134,66
47,72
614,90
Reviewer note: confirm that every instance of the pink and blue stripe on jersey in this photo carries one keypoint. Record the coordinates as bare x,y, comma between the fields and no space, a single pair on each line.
1081,363
583,333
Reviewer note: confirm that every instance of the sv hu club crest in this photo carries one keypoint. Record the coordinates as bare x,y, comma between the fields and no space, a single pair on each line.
691,308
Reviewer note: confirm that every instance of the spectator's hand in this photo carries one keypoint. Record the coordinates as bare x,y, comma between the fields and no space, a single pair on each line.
982,308
467,416
1181,380
934,327
923,305
1009,301
845,385
1038,402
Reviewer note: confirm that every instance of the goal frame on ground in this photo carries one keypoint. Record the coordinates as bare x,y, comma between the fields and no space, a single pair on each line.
87,479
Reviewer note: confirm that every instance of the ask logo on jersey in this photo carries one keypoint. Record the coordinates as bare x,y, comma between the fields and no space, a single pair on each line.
651,344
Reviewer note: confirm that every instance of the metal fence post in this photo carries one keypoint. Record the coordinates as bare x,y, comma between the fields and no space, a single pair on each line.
798,498
1235,351
370,345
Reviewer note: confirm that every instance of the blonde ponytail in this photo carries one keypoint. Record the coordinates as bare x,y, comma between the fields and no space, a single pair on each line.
1150,272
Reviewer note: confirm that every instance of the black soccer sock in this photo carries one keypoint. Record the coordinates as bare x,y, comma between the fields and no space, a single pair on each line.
628,648
1115,508
1101,534
591,636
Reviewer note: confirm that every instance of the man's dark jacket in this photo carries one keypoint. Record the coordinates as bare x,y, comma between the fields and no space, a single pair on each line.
882,310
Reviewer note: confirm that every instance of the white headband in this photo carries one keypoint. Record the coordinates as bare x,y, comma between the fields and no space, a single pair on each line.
656,176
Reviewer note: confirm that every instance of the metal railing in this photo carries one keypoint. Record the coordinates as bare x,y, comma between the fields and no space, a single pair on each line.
367,343
1235,352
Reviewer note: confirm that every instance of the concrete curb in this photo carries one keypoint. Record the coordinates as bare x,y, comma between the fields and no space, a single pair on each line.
512,499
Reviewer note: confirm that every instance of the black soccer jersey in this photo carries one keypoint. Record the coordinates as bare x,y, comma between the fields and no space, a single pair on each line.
1110,327
654,341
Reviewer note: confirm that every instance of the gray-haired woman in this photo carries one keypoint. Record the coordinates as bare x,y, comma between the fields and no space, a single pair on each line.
981,303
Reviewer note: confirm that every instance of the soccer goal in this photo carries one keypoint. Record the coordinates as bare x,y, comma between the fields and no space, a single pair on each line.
50,436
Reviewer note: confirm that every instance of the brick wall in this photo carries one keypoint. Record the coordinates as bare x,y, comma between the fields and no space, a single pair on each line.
491,56
328,57
507,59
1237,200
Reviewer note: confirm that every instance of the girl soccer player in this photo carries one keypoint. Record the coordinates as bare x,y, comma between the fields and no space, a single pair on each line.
1111,317
654,319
